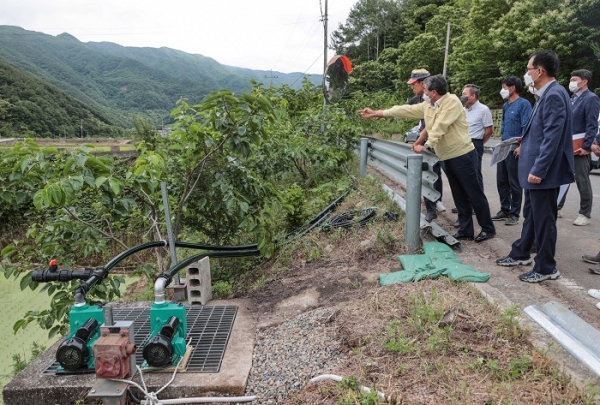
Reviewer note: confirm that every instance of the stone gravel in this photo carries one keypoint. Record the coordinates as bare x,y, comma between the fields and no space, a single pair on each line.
288,355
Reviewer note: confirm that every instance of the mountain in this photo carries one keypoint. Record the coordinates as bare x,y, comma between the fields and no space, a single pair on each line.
127,80
31,107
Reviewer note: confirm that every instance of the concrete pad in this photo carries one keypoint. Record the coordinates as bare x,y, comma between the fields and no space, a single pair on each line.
31,387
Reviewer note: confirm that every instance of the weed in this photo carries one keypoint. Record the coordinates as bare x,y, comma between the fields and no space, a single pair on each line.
19,363
351,393
519,367
385,237
221,290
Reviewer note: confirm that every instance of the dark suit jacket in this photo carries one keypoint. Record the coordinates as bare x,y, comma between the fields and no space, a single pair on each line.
547,144
585,117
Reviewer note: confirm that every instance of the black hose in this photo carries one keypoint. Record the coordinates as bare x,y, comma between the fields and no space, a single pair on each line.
184,263
164,243
349,219
317,219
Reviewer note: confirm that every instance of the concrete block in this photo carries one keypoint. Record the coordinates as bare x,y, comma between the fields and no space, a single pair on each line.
199,287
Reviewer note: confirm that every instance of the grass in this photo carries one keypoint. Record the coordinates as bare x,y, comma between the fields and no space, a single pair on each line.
402,344
431,342
15,303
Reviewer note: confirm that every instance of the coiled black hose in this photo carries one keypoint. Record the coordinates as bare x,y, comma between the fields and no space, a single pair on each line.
349,219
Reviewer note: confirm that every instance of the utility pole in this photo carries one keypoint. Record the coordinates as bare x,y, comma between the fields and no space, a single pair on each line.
271,77
447,46
325,17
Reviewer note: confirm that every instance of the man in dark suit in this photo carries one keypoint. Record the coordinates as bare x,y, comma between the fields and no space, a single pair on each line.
545,162
586,107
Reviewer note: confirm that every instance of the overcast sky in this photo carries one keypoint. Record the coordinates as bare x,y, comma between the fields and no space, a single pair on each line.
282,35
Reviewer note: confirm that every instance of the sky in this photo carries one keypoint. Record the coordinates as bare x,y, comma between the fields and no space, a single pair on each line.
280,35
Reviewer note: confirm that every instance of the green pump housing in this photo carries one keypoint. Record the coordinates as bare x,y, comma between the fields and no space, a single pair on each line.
80,317
160,315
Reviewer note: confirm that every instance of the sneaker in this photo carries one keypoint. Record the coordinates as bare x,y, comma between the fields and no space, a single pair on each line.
500,216
598,305
581,220
595,269
455,210
509,262
533,277
439,206
594,293
512,220
594,259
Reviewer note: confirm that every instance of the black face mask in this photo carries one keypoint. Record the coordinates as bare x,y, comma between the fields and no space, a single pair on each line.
463,99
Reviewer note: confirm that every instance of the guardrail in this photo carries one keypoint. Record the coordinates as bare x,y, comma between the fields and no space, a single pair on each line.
392,158
415,171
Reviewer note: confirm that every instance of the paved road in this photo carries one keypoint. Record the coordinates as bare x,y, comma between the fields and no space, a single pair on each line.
573,242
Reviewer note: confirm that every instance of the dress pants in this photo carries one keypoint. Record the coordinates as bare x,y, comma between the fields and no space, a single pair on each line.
509,189
478,143
467,193
583,165
539,225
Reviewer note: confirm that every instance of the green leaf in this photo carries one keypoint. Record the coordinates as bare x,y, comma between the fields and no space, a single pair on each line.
38,199
100,180
115,185
25,281
9,250
77,182
21,323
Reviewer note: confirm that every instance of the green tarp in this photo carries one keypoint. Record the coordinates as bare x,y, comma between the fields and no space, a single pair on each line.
438,260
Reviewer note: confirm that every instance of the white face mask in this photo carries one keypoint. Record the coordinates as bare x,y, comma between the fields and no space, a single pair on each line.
573,87
504,93
531,89
528,80
426,98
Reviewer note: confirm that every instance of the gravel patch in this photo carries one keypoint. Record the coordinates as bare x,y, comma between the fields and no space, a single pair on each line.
287,356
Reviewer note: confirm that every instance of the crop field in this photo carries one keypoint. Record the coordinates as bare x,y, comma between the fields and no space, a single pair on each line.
14,303
96,144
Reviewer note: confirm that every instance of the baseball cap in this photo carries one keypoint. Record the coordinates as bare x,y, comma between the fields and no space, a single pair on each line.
418,74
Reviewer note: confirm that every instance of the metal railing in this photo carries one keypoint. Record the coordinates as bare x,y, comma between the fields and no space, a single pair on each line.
392,158
415,172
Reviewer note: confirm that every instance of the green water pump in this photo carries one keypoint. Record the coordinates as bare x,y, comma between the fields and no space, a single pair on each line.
166,344
75,353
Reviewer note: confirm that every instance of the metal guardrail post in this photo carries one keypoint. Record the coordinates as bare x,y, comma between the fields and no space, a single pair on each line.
413,201
364,145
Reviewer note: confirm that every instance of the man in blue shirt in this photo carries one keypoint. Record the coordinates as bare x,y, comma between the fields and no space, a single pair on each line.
515,115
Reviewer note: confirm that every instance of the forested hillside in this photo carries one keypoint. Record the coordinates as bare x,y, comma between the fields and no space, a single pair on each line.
490,39
31,107
124,80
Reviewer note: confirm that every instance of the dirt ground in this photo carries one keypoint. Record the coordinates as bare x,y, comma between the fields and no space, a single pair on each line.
464,351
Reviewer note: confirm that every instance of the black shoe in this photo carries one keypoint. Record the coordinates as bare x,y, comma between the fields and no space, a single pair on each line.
454,211
485,236
512,220
431,215
500,216
457,224
461,236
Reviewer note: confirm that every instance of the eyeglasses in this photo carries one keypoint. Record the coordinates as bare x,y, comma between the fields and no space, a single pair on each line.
527,69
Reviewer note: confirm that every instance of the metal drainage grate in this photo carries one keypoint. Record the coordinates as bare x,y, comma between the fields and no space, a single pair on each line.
209,328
